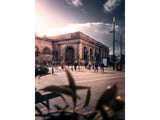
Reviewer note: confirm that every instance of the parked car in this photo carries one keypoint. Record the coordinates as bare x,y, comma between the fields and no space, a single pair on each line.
41,69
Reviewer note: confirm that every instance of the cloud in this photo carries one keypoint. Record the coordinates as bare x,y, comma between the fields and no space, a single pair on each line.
110,5
97,30
75,3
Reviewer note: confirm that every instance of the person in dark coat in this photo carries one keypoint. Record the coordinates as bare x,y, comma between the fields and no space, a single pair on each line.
86,65
89,65
93,66
75,66
62,65
96,67
68,64
102,67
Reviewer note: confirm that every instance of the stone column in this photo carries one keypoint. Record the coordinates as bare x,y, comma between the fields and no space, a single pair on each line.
78,53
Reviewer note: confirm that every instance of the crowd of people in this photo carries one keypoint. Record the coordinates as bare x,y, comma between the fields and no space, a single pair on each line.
88,66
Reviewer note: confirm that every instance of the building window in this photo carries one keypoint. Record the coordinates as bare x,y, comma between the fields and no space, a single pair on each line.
90,52
46,50
85,53
36,51
68,36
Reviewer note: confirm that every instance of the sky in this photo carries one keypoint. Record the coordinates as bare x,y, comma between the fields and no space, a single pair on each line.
92,17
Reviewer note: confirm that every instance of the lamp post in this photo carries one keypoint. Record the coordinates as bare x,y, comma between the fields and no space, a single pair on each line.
78,62
113,43
121,51
53,65
113,57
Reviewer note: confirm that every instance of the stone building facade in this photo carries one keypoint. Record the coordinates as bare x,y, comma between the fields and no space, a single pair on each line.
70,48
43,51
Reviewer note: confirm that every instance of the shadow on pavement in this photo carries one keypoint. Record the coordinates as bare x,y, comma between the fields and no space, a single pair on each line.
40,98
41,75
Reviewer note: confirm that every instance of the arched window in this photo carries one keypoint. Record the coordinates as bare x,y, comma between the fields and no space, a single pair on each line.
46,50
103,55
36,51
70,55
99,51
85,53
99,55
91,54
95,53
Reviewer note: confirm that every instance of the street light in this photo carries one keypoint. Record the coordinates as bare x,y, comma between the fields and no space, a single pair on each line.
52,65
121,51
78,61
113,42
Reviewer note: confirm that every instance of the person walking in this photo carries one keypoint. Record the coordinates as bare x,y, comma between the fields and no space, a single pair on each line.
89,65
68,64
96,67
93,66
102,67
72,67
62,66
86,65
75,66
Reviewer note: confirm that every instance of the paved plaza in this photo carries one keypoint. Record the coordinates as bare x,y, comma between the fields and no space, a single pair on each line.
98,81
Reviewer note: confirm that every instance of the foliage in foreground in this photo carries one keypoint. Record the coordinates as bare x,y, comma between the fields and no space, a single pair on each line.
107,108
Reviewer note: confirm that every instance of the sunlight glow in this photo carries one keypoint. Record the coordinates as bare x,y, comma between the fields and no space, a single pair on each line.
46,19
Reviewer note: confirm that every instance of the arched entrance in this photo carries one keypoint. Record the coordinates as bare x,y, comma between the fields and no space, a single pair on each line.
36,51
69,55
36,55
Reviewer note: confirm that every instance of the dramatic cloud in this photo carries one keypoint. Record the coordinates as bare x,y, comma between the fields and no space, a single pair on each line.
97,30
75,3
110,5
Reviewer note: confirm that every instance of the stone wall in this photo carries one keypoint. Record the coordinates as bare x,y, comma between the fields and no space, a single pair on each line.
41,56
77,41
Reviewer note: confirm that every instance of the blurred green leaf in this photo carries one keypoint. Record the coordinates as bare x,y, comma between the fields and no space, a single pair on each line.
47,101
72,85
59,90
118,105
88,96
75,109
110,113
106,109
90,115
65,108
104,113
38,110
64,99
107,96
98,116
70,79
58,107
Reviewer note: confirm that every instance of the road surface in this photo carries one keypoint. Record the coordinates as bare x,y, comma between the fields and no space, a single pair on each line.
97,81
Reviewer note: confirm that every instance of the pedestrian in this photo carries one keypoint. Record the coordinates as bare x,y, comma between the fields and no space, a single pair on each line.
86,65
75,66
79,65
68,64
102,67
62,66
72,67
89,65
96,67
93,66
